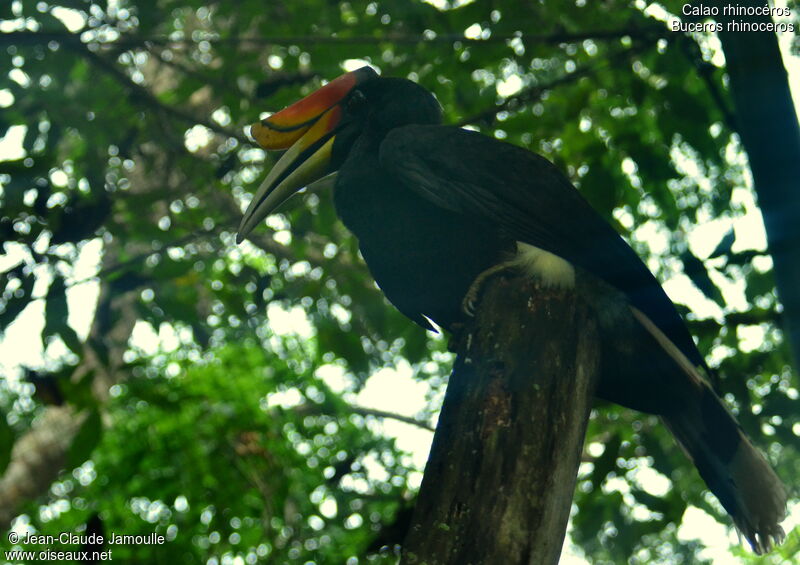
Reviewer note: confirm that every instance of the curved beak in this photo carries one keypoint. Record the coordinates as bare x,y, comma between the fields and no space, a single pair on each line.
307,129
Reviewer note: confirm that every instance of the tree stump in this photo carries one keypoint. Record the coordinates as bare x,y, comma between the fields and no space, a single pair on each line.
500,477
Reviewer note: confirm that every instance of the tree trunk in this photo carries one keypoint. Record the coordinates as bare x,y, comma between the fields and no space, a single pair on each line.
40,454
768,127
500,477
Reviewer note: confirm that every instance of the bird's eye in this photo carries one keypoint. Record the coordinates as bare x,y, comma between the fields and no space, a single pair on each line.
356,102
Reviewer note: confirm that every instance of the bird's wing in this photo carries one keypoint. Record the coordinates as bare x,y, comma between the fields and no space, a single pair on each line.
530,200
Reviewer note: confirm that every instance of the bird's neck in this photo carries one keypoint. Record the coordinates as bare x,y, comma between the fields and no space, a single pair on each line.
365,189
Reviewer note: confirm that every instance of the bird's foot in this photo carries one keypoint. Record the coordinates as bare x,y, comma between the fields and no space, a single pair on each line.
469,304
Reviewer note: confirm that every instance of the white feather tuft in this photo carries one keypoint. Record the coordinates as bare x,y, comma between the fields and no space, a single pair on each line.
550,269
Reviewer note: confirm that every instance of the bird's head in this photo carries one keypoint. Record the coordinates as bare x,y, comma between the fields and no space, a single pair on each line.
319,131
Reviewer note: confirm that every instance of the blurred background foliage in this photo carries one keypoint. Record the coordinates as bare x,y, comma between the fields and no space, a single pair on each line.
239,437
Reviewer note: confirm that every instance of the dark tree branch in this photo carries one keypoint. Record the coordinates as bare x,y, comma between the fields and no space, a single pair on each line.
751,317
534,93
526,96
213,78
144,97
364,411
499,481
40,454
771,136
26,37
705,71
392,416
37,459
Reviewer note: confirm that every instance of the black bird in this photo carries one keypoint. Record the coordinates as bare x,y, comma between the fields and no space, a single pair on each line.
435,208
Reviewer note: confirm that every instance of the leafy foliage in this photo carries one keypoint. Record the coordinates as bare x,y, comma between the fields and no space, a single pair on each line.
131,118
224,461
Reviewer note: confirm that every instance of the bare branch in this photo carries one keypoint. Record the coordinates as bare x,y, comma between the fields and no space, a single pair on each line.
145,97
645,32
525,96
394,416
705,71
364,411
532,94
37,459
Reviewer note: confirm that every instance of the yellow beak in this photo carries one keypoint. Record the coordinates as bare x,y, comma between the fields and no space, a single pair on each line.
308,130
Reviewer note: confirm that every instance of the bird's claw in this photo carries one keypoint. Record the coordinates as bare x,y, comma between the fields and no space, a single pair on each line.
470,303
471,300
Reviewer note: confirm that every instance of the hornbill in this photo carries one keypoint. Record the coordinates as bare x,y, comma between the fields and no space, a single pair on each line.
435,208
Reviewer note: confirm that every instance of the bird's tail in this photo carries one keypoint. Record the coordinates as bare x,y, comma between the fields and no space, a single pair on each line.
734,470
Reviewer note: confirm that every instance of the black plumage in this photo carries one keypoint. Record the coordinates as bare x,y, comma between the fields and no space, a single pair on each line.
435,206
